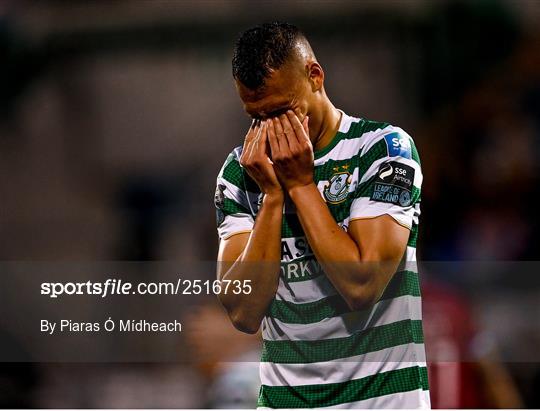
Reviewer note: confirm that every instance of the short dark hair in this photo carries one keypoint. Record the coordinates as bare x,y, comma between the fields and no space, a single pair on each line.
260,49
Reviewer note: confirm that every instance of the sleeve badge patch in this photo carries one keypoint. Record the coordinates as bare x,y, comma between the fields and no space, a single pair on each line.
393,184
398,145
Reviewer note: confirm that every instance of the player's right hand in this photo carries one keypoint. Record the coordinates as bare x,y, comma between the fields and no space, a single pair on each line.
255,159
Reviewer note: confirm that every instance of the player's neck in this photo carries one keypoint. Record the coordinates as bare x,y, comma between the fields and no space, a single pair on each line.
329,126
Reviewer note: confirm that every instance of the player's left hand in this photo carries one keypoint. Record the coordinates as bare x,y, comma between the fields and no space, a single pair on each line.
291,150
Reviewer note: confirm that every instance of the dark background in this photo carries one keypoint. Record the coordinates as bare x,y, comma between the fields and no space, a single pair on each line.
115,118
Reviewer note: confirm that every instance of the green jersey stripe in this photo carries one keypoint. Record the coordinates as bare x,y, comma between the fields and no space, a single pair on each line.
232,207
326,395
383,312
413,237
291,227
401,356
233,173
414,152
362,342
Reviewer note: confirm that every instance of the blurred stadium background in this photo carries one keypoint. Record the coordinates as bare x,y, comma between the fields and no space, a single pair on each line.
115,118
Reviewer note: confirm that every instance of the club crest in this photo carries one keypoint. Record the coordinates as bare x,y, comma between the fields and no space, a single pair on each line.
338,187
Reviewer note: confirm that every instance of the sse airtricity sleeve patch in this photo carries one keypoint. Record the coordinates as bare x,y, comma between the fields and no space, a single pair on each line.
393,184
392,179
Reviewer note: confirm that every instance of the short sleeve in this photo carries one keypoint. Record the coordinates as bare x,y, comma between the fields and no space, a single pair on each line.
233,208
392,181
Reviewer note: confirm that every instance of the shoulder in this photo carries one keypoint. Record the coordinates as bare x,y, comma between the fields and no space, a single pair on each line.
233,173
233,157
387,140
231,169
377,138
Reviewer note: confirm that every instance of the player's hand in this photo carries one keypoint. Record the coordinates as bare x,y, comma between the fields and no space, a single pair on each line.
255,158
291,150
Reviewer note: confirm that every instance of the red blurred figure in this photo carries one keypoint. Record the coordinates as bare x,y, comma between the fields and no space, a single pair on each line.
463,366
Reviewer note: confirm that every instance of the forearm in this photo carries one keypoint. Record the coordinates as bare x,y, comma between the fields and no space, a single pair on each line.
359,278
260,264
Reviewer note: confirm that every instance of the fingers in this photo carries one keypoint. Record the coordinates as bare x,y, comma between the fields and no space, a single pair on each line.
253,130
273,139
260,141
290,132
300,129
251,135
283,136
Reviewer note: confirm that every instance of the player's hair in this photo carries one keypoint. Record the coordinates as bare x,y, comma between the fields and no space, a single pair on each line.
261,49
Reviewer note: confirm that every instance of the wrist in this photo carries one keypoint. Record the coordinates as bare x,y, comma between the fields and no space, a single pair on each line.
296,191
274,198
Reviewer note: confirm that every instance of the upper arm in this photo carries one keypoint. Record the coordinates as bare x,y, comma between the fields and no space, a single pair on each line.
229,251
380,238
392,179
387,199
382,243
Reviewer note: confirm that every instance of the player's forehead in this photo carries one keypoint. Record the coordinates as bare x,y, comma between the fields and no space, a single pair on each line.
276,95
268,105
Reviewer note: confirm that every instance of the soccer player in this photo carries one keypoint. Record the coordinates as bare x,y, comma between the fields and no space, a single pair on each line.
319,212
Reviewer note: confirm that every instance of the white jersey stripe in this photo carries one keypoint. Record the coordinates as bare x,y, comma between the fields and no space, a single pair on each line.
364,207
411,255
384,312
234,224
234,193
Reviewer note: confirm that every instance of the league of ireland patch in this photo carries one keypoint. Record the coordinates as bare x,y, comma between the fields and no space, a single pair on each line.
393,184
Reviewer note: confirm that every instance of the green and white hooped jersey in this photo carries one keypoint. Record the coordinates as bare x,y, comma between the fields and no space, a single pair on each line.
317,352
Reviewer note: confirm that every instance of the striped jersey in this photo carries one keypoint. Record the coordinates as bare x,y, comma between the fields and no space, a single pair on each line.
317,352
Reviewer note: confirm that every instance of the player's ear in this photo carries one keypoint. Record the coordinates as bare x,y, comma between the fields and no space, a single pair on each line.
315,75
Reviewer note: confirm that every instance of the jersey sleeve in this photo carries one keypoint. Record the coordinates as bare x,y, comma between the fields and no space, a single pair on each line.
392,179
233,209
